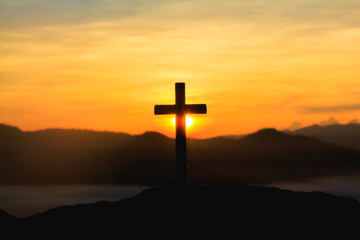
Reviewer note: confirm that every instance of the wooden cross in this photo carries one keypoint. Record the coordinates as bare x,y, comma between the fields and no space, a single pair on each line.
180,109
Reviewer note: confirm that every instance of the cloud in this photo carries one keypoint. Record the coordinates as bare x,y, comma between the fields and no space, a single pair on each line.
330,121
355,121
294,126
35,13
330,109
20,13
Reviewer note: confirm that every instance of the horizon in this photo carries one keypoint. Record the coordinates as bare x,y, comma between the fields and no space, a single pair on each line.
105,64
172,135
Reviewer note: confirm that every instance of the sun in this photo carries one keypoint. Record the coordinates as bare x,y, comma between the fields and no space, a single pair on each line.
189,121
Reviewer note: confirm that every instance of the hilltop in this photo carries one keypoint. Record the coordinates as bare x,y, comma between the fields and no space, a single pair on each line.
201,209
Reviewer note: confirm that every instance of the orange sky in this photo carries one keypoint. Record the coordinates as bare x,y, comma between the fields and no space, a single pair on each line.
103,65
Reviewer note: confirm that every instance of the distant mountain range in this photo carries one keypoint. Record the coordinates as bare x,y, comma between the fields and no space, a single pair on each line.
344,135
347,135
58,156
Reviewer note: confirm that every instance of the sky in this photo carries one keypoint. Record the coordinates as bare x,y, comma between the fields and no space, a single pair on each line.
104,64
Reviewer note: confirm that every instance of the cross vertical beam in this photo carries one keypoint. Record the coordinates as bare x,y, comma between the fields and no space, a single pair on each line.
180,141
180,109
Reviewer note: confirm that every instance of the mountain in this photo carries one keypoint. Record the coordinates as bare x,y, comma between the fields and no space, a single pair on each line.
330,130
57,156
270,155
201,209
345,135
8,131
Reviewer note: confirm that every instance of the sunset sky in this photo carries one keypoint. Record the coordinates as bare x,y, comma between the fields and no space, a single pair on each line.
104,64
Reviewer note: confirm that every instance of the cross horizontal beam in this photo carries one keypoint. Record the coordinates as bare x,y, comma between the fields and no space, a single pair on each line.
195,108
165,109
172,109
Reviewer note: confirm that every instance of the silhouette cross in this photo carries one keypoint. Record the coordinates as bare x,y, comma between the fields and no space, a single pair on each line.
180,109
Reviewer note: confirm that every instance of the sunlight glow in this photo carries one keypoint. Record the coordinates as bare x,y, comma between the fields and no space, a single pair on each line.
104,70
189,121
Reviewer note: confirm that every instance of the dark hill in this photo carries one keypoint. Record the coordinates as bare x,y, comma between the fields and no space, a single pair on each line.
57,156
207,209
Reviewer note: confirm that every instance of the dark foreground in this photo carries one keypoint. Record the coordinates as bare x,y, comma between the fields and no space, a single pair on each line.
200,209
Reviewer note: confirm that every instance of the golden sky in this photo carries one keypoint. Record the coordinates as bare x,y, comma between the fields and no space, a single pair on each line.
104,64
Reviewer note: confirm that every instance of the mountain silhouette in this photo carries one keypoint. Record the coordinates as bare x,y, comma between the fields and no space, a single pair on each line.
270,155
9,131
345,135
57,156
330,130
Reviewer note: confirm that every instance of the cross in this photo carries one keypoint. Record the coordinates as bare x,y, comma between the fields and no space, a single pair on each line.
180,109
